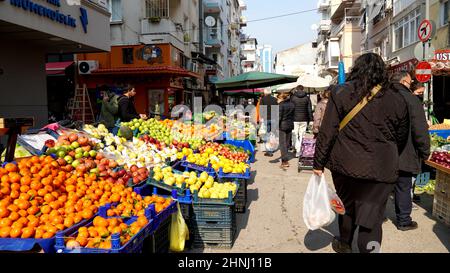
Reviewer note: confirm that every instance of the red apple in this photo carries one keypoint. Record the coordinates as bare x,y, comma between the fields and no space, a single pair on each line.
134,168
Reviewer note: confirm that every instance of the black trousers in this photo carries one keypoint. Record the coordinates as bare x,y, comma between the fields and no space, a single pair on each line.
285,140
403,199
365,203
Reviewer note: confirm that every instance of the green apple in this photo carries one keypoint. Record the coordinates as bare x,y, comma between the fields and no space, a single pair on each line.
79,150
75,163
92,153
94,170
61,153
78,155
85,154
68,159
75,145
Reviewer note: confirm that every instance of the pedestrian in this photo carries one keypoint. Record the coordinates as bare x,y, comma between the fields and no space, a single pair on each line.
127,110
303,115
109,109
287,113
364,129
265,107
320,110
417,149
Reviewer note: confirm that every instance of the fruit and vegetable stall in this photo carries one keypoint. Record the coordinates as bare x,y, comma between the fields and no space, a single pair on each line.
95,191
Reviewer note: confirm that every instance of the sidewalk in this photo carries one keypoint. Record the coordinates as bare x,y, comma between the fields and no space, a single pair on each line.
273,220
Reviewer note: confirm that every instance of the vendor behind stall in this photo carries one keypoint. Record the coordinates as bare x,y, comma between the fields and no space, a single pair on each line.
127,110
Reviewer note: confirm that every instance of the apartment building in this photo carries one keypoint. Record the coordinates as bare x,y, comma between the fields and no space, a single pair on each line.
266,56
250,55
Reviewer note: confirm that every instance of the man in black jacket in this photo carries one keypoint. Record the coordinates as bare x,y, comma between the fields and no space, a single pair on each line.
417,149
127,111
267,101
303,115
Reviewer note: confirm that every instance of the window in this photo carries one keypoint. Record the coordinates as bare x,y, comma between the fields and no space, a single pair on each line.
444,13
400,5
127,55
115,8
157,8
405,30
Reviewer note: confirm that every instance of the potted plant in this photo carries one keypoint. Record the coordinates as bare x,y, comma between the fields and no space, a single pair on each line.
155,19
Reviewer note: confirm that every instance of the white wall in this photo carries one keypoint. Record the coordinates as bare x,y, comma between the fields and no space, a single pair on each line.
23,87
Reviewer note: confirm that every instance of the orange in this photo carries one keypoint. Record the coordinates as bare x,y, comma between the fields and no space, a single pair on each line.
25,196
5,179
15,194
57,220
93,233
52,229
142,221
10,167
5,231
103,232
25,180
23,213
23,220
68,222
4,212
60,226
27,232
24,188
48,235
44,218
5,222
42,192
83,241
77,219
33,210
17,224
13,207
23,204
46,209
14,177
34,222
39,233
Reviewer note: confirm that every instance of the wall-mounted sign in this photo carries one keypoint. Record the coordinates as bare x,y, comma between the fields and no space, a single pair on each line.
150,53
442,55
210,21
52,13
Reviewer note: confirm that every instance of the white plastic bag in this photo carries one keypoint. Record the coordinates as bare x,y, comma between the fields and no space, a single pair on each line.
262,129
272,142
317,210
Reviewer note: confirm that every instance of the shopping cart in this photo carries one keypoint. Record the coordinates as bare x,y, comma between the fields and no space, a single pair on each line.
306,158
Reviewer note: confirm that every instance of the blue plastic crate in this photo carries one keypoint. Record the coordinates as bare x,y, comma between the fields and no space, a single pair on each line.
441,133
191,166
246,145
159,184
134,245
48,245
245,175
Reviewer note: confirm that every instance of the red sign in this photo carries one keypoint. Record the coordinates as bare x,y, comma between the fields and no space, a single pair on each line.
442,55
425,30
405,66
423,72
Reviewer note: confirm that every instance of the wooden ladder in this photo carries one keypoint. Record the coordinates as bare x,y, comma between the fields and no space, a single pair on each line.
81,108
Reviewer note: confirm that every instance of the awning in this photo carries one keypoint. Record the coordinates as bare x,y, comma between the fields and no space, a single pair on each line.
409,65
376,8
57,68
440,68
168,70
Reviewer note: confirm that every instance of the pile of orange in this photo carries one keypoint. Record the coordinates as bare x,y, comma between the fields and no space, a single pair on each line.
133,204
99,234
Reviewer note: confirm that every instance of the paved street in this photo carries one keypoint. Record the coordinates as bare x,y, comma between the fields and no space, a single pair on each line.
273,221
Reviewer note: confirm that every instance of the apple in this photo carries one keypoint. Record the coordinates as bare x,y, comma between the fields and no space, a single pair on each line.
121,181
121,173
68,159
93,153
134,168
61,162
101,167
75,145
76,163
103,174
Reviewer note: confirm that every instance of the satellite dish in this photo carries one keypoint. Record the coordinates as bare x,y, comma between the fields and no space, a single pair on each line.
210,21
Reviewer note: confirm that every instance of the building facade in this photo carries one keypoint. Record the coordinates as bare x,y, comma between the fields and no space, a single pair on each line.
297,61
266,55
31,30
250,55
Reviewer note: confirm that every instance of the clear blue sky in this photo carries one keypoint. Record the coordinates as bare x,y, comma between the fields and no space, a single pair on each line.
285,32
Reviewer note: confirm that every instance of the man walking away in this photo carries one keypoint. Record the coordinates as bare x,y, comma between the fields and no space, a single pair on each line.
303,115
417,149
267,101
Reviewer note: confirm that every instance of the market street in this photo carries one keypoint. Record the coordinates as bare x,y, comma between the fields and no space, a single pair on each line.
273,220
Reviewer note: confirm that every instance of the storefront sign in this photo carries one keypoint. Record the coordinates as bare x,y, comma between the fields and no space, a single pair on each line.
150,53
405,66
442,55
51,13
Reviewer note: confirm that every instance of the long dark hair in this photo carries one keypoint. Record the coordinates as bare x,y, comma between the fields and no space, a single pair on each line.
368,71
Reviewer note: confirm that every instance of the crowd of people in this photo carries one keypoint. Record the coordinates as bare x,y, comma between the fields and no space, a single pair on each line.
371,133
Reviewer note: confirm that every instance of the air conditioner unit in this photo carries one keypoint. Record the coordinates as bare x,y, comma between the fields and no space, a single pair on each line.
86,67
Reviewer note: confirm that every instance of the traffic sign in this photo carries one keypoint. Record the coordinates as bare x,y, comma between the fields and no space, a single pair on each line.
423,72
425,30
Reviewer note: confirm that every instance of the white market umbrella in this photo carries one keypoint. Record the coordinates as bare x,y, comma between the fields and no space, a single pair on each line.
308,81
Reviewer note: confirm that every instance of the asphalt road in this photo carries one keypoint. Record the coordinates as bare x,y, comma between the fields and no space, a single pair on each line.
273,220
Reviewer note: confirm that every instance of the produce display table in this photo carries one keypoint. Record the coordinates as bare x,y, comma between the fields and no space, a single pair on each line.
12,127
441,202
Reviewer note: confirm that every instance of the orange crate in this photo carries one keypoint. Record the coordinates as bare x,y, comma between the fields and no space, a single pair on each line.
441,208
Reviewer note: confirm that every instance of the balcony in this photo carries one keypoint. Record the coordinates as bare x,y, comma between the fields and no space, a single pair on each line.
400,5
339,8
323,5
243,21
213,6
324,26
163,32
349,22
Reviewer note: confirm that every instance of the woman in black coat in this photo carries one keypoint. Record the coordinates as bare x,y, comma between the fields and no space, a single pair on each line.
364,156
286,125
